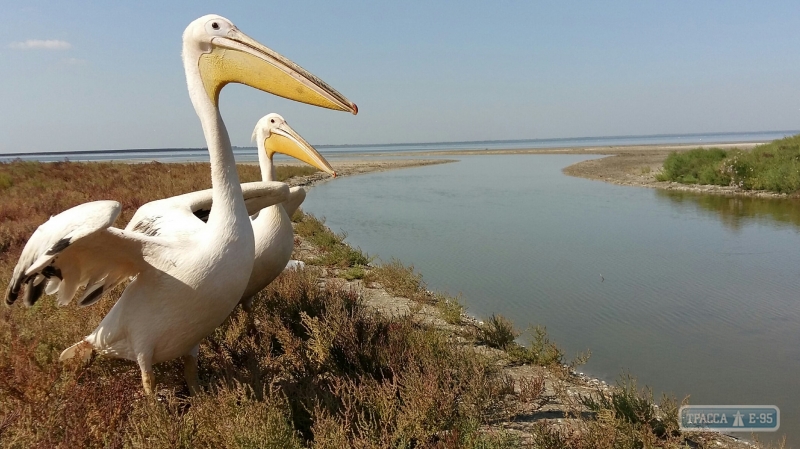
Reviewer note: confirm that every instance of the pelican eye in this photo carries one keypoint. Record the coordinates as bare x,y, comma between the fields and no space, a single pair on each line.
272,120
215,25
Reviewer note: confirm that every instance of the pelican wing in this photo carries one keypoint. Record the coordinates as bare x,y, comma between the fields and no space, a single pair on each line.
77,248
296,197
155,214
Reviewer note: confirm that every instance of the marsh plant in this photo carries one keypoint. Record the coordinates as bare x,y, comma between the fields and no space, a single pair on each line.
774,167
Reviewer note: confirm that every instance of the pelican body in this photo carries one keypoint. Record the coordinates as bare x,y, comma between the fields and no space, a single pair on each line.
188,274
272,224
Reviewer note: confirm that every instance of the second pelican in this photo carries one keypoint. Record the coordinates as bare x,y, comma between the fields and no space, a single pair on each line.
272,224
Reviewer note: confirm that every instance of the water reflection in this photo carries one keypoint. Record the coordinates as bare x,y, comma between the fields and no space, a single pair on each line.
737,212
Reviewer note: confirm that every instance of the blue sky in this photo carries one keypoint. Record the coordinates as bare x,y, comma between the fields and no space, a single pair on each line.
107,75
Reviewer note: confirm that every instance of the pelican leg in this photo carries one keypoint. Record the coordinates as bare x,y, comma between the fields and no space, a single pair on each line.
190,371
148,378
247,305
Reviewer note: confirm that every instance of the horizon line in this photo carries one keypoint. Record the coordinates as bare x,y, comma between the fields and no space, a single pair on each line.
357,145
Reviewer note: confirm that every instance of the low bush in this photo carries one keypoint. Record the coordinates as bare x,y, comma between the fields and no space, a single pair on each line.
450,308
698,166
539,351
774,167
497,332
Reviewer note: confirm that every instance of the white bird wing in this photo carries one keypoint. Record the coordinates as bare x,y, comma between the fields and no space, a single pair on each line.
153,216
76,248
296,197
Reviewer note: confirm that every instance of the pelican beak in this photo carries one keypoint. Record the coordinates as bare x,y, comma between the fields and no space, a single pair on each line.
286,141
237,58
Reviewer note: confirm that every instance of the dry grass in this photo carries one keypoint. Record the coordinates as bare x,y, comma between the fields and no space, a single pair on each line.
31,192
399,280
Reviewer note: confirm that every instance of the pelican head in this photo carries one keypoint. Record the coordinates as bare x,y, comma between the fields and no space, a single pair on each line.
222,54
276,136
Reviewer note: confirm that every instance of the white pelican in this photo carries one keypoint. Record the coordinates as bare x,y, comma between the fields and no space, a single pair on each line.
188,275
272,224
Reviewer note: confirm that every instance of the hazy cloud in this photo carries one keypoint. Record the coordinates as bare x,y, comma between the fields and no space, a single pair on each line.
37,44
73,61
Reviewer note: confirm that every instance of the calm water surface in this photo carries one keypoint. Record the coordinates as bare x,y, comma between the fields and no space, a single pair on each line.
700,293
248,154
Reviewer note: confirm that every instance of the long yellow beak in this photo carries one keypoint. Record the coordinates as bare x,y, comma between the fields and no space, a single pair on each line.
286,141
237,58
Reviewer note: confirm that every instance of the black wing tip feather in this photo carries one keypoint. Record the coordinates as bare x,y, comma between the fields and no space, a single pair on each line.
33,292
59,246
92,297
12,292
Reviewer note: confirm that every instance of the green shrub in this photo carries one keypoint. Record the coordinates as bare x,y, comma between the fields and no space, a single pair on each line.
497,332
539,351
635,407
354,273
698,166
450,308
774,167
5,181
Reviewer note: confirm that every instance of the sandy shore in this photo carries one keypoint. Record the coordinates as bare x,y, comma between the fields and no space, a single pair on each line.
635,165
357,166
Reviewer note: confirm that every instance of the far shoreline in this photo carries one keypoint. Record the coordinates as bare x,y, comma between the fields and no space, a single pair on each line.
630,165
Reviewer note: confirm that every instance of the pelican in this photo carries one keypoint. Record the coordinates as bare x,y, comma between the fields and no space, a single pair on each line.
187,275
272,224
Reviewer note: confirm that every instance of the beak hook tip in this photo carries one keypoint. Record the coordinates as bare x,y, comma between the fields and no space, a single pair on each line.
355,108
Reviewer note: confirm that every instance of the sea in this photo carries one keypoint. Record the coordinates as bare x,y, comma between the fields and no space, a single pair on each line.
248,154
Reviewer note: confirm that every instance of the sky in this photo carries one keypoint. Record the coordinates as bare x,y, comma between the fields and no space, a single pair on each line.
108,75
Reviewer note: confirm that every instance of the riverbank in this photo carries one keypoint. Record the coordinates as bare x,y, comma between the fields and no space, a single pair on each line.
555,404
634,165
638,167
540,401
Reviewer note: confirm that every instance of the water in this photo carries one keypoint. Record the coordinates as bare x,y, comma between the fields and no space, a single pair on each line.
700,293
248,154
